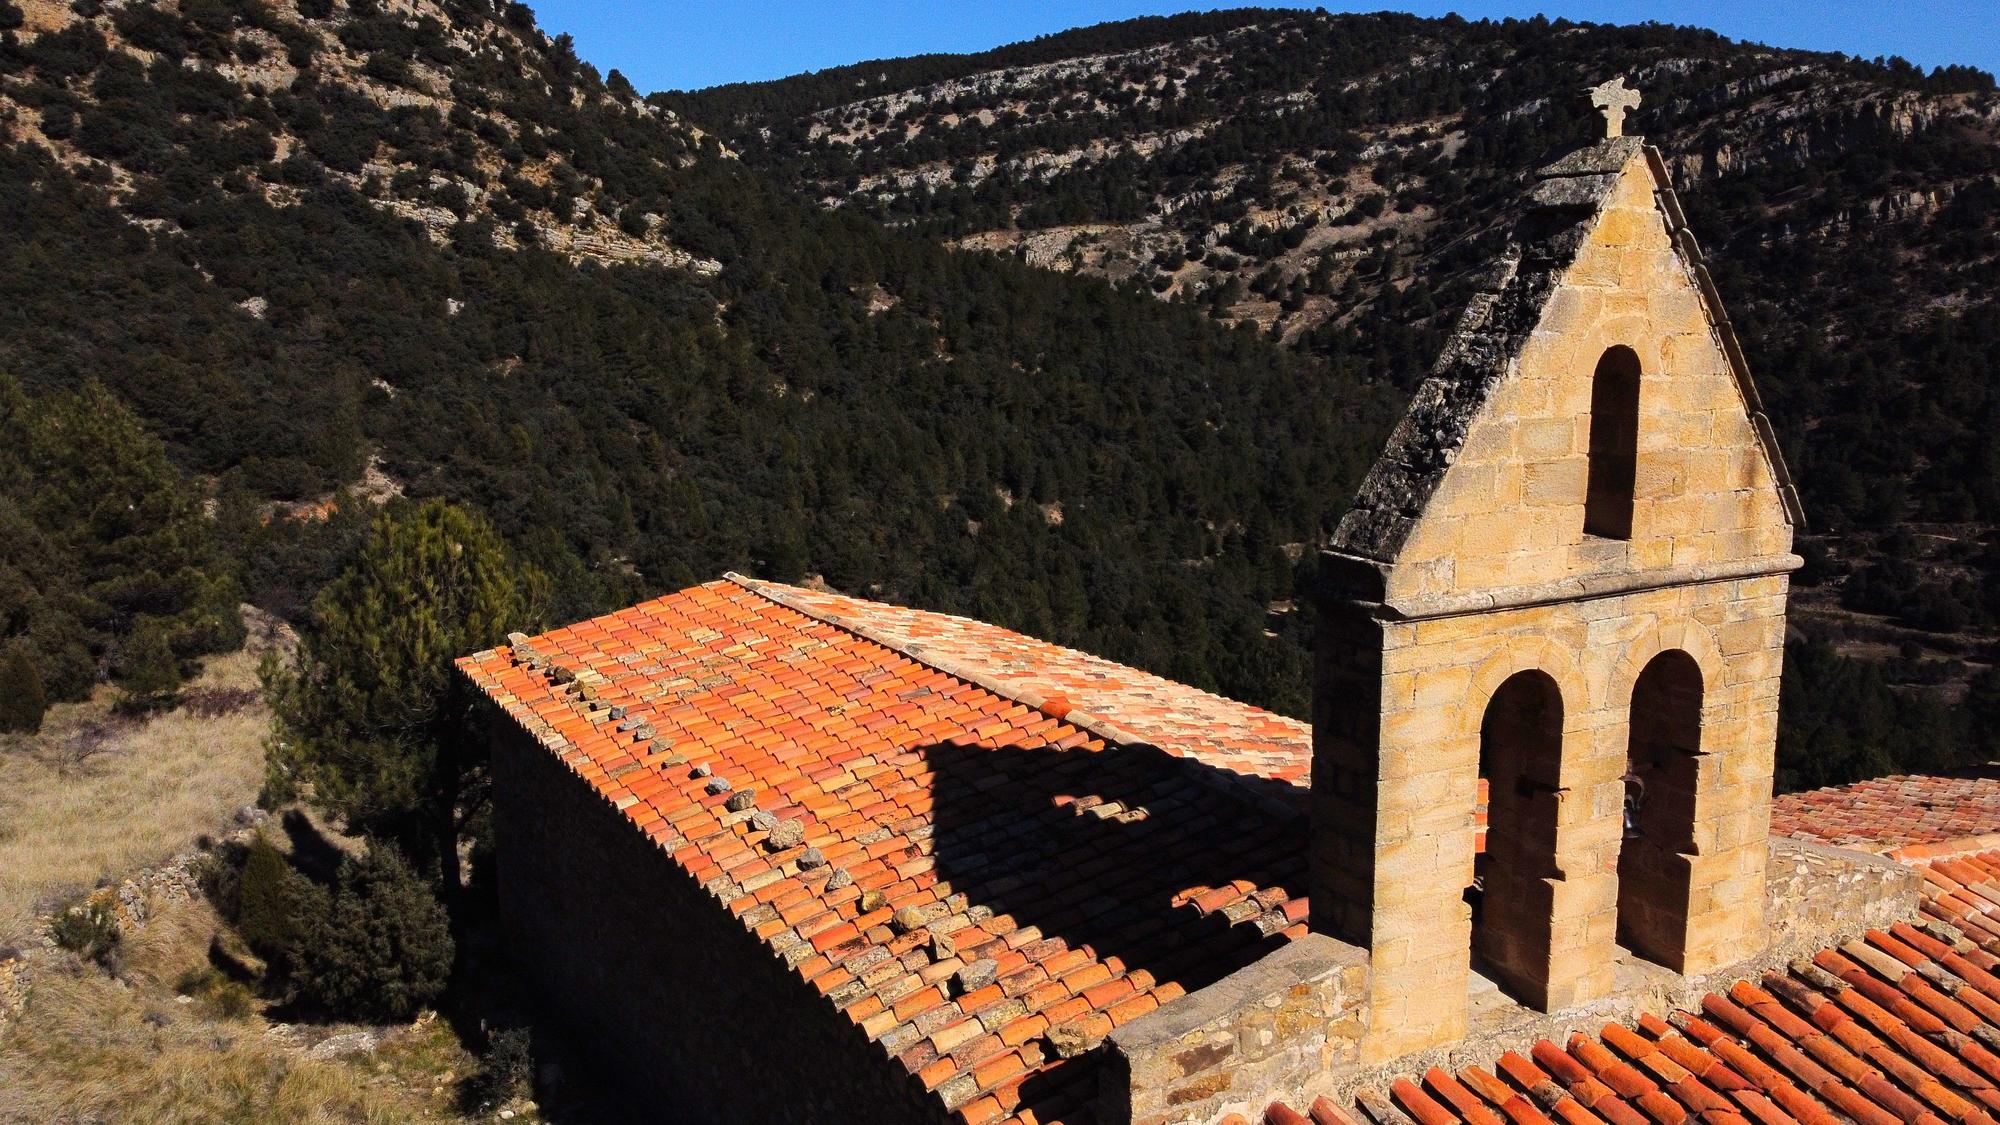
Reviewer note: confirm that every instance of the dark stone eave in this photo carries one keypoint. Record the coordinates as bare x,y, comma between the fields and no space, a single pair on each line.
1561,209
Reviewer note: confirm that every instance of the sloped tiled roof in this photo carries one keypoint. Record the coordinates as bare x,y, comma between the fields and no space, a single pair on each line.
1123,703
970,878
1901,1026
1892,813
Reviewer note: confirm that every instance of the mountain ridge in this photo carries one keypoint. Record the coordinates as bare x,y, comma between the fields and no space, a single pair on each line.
1338,182
345,278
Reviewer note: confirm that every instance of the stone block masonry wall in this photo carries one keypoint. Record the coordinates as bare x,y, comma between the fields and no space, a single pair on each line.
686,1009
1819,894
1270,1031
1436,679
1347,676
1818,897
1510,512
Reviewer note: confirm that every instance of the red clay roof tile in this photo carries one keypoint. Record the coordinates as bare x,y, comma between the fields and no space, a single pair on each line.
921,756
1889,1029
1122,703
1889,813
1015,771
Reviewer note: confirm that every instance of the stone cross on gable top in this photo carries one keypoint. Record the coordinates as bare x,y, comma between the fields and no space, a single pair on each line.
1614,100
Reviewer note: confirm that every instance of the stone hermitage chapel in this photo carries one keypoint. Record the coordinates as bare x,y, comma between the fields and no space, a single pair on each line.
785,855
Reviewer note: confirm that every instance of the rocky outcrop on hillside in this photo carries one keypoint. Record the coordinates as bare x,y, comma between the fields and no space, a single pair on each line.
1280,175
453,114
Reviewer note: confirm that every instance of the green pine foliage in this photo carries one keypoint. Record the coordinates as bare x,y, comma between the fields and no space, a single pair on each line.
1070,458
90,930
371,719
905,421
271,904
507,1069
105,555
23,699
1844,721
375,945
382,947
147,668
1848,208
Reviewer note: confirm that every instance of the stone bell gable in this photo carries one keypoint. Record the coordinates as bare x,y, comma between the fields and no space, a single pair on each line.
1562,585
1488,482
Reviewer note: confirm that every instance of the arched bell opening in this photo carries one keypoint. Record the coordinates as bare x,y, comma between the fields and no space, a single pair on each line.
1520,758
1655,859
1614,445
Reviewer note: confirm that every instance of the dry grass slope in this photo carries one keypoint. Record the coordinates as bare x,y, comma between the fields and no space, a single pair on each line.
93,798
91,1047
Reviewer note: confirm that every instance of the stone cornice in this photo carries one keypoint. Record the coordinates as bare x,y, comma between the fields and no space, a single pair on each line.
1575,589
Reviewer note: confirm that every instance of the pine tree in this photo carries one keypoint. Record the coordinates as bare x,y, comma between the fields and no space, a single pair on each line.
22,698
148,670
371,714
383,948
104,547
273,904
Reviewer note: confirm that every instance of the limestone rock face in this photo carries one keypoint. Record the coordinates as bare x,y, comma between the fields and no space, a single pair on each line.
1303,213
285,48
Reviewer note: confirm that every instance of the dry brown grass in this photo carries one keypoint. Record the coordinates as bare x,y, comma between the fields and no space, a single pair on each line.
94,796
89,1047
45,15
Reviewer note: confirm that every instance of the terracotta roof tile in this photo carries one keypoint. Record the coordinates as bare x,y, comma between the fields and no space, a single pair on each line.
1890,813
1895,1028
1124,704
923,759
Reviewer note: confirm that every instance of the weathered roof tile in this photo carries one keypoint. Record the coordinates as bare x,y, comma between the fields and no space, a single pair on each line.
877,782
1890,1028
1913,814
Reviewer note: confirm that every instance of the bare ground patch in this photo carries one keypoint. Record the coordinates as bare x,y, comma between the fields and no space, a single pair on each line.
174,1029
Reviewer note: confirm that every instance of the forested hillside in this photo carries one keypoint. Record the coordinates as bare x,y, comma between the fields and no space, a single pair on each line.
300,240
401,322
1335,181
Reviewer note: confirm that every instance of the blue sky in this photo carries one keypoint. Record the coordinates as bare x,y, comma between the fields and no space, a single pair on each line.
684,44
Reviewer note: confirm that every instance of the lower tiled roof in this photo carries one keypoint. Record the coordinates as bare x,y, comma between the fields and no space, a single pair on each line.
980,884
1896,1028
1891,813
